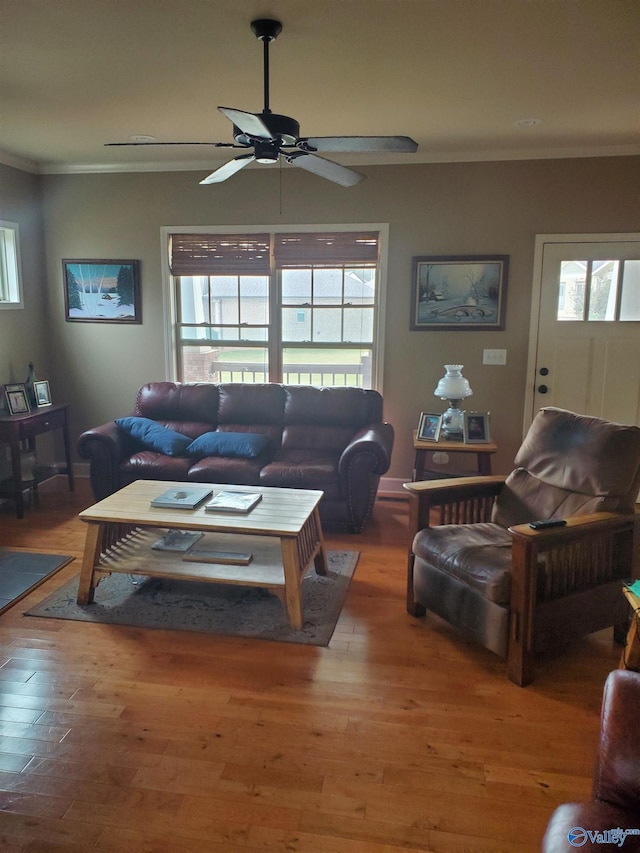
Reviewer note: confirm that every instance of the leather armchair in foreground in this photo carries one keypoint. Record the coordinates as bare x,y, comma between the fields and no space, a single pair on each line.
597,825
519,591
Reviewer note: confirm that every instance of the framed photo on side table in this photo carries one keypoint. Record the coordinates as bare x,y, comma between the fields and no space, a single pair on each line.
17,399
475,428
429,426
43,393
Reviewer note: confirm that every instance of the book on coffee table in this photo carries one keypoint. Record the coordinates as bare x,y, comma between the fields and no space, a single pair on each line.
208,555
229,501
187,497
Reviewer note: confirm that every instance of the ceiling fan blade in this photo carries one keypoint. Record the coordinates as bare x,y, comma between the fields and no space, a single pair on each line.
214,144
248,123
360,144
228,169
325,169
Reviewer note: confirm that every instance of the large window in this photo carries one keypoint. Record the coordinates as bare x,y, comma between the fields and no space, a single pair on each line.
10,286
300,308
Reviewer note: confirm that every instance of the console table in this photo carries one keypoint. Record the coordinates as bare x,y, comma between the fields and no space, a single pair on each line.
17,428
482,452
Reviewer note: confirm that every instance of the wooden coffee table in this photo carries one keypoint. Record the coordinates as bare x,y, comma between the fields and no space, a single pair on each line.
282,532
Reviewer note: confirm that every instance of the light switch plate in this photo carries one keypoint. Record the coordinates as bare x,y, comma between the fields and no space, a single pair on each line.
494,356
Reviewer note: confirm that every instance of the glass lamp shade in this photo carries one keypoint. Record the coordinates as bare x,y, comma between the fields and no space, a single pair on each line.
454,388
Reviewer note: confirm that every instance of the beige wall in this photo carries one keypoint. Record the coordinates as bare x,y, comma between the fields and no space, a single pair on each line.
24,332
464,208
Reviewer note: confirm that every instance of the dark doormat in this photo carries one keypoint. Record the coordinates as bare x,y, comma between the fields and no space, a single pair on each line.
22,571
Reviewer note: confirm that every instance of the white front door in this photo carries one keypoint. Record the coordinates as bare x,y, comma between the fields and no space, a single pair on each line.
584,352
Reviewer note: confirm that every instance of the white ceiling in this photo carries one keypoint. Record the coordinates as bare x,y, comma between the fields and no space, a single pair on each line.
456,75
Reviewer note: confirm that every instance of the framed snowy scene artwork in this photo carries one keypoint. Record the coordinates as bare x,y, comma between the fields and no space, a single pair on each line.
102,291
459,292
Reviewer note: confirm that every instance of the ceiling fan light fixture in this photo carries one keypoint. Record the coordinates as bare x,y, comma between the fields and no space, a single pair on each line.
266,153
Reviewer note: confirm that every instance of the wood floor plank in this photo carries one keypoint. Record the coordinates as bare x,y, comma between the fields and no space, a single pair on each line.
400,735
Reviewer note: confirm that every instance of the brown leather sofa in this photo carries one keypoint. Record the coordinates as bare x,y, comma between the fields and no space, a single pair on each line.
597,824
332,439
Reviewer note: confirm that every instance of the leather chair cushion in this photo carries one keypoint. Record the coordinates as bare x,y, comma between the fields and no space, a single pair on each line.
242,404
169,401
524,498
599,457
319,438
149,465
304,469
478,555
349,408
223,469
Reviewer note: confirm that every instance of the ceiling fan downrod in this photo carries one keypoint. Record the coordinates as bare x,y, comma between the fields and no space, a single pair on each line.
266,30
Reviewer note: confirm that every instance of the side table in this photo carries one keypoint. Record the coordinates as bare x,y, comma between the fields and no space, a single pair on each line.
483,453
17,428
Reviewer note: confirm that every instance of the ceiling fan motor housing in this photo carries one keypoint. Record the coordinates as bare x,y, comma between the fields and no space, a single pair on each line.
282,128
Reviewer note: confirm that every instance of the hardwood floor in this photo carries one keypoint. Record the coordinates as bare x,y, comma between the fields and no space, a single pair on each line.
397,736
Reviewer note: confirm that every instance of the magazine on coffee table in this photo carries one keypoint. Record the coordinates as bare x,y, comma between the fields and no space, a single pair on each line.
182,497
229,501
177,540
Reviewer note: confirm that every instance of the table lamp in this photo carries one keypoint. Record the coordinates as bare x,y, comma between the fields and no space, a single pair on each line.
454,388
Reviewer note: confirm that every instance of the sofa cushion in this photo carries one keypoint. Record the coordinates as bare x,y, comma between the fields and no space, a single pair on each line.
154,436
235,445
303,469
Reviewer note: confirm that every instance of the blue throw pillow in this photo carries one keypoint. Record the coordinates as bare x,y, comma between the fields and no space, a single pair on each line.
232,444
154,436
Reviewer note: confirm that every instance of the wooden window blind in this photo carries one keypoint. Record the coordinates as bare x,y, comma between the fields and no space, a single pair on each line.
220,254
328,249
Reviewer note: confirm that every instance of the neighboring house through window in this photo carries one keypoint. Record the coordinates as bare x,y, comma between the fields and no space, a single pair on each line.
300,307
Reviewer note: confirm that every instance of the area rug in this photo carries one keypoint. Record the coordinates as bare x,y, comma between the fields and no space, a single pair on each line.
22,571
211,608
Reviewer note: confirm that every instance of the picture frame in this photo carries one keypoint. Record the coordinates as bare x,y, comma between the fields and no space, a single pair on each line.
42,393
475,428
102,291
429,426
459,292
17,400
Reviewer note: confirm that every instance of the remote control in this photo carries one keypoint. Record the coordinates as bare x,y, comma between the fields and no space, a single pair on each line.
551,522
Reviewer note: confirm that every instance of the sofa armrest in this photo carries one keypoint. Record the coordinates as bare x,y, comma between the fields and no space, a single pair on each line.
104,446
375,439
616,779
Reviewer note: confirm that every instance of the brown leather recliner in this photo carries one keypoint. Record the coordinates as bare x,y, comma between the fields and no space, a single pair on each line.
597,825
519,591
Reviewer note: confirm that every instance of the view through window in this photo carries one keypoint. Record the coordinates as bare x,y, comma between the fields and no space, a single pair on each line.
299,308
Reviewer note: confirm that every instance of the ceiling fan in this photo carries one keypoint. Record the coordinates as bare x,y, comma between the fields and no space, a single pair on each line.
272,136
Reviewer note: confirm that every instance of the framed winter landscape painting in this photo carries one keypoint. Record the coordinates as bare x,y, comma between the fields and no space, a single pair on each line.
102,291
459,292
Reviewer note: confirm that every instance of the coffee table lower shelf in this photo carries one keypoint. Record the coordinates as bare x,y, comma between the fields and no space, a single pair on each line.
133,555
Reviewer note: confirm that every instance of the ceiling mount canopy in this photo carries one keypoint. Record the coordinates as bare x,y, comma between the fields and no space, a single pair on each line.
272,136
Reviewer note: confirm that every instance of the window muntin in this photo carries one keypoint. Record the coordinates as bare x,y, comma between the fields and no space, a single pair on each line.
10,273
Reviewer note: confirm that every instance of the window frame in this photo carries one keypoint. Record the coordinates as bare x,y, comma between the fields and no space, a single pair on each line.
172,344
11,290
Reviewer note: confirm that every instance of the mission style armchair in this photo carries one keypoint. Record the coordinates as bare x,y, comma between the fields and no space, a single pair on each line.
475,561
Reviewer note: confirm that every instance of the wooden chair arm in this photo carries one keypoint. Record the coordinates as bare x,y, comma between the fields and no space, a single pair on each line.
552,571
459,500
577,527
